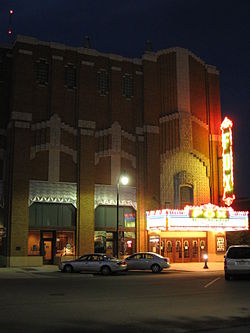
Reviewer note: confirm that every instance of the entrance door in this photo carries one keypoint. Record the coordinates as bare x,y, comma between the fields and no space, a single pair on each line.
194,250
178,250
47,248
186,250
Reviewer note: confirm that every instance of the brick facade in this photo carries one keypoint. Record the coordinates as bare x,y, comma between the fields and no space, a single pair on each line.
169,126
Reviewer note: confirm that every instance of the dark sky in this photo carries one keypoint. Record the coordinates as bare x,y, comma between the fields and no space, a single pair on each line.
215,30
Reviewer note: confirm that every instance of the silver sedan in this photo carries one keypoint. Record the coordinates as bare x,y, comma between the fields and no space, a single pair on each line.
93,263
147,260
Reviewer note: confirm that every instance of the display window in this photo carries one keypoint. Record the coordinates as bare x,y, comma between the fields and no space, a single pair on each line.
34,243
65,243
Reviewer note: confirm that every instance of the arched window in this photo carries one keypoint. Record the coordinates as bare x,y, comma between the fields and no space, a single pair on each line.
186,195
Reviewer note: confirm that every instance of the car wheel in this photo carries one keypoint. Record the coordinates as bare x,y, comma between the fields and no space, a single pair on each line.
105,270
227,277
68,269
156,268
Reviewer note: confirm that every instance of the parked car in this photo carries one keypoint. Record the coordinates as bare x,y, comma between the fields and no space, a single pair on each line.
94,263
237,261
147,260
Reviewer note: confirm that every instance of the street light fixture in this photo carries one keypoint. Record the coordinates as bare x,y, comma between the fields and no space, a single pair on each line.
123,179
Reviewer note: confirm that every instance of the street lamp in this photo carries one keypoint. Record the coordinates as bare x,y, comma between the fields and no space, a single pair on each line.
123,179
205,261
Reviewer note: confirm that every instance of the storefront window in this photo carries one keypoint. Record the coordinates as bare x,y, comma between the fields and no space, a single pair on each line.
129,218
129,243
65,243
34,243
100,241
154,244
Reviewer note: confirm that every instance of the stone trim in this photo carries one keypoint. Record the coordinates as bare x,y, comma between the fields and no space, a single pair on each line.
169,117
104,132
87,124
212,70
106,195
69,129
22,124
151,129
26,52
55,192
139,130
25,116
87,132
128,136
199,122
150,57
114,68
56,57
129,157
87,63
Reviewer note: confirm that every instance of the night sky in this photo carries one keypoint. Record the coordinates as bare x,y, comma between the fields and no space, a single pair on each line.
215,30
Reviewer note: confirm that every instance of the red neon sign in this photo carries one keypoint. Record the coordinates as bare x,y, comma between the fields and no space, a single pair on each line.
227,158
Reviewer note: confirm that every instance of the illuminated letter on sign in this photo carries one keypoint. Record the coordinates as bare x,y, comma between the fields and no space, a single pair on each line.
227,158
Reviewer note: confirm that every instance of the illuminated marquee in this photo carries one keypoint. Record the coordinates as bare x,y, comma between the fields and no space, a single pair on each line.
227,158
197,218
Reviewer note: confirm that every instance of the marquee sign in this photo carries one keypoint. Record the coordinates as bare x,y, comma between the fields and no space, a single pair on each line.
197,218
227,158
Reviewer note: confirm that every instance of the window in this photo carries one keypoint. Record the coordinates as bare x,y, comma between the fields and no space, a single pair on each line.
52,215
65,243
195,249
70,76
239,253
186,195
127,86
42,72
103,82
34,243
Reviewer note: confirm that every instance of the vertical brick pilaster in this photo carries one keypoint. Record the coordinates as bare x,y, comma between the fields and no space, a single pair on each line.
86,187
18,206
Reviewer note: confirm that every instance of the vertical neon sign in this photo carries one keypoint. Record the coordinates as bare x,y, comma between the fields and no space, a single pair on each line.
227,158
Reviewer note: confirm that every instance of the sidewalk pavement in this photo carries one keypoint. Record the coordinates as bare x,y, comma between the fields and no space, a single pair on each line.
197,267
183,267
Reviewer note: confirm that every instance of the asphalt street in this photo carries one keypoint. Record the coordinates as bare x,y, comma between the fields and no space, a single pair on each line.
134,301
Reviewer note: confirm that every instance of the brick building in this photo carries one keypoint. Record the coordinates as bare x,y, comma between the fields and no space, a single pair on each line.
74,119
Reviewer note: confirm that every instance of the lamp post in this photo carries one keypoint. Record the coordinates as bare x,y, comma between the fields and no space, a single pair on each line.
205,261
123,179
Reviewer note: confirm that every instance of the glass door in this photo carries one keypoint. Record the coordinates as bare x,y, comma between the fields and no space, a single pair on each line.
194,250
178,250
47,246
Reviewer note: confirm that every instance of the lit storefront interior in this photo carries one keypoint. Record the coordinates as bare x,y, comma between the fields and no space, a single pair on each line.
52,230
105,230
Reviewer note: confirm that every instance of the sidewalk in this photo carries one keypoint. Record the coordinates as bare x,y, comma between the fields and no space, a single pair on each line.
184,267
197,267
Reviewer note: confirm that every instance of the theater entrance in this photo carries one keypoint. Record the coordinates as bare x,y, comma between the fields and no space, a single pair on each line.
179,249
183,249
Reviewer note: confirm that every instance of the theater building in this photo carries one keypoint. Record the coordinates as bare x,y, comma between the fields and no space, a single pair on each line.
74,119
